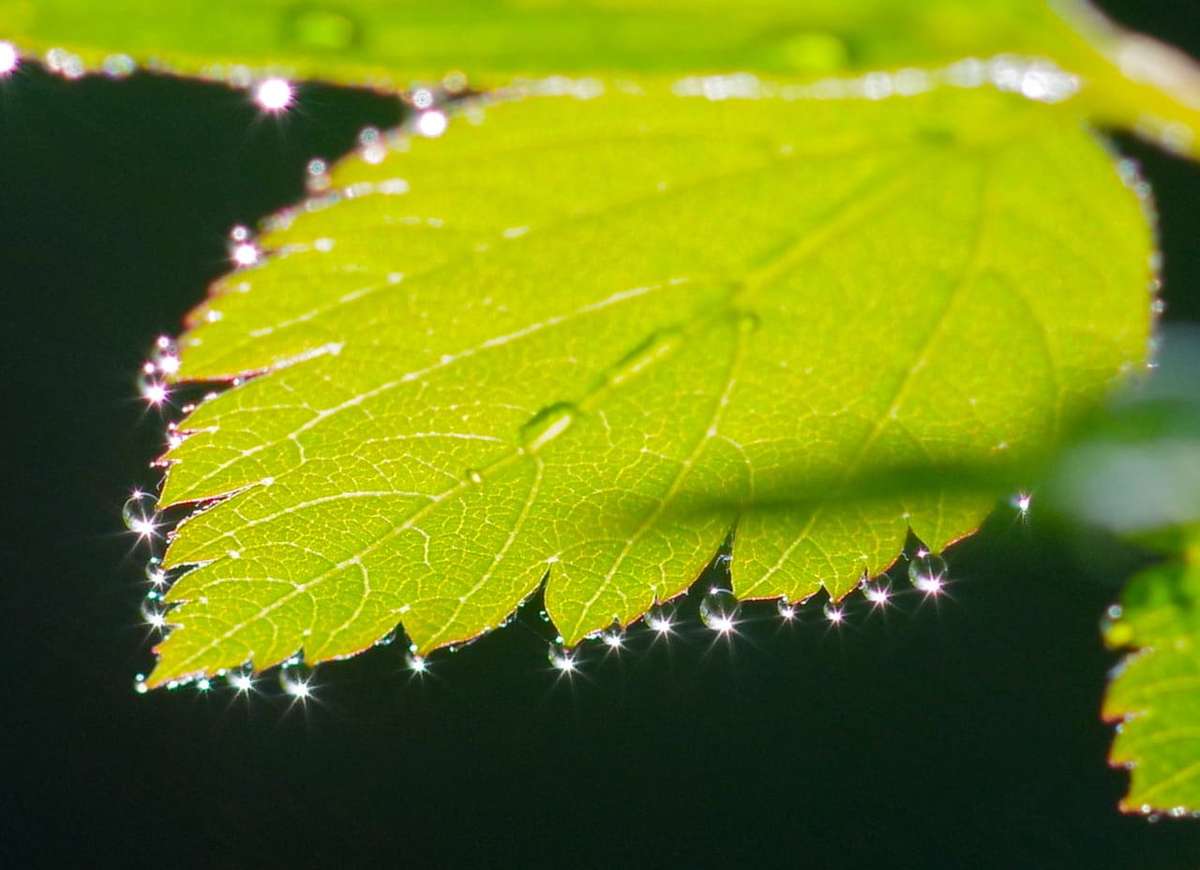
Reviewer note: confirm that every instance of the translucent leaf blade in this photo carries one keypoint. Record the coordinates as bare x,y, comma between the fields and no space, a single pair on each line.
576,321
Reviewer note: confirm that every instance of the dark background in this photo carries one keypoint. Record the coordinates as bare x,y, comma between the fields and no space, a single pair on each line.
962,735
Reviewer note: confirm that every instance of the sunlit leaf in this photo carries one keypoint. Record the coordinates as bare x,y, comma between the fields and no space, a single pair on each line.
1156,691
541,343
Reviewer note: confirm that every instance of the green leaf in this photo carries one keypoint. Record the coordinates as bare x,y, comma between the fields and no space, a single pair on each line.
1131,81
1156,691
542,343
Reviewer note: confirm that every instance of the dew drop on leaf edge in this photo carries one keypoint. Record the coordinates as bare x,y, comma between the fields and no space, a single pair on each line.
718,610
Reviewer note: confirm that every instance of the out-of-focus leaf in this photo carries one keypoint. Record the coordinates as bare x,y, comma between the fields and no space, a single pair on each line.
1129,80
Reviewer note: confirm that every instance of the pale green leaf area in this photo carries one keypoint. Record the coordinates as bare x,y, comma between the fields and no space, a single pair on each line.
1129,80
527,349
1156,691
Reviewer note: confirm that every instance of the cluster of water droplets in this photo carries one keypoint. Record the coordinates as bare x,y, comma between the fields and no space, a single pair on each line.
1130,173
1033,78
719,615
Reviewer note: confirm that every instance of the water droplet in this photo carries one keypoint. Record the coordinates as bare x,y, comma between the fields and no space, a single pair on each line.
547,424
718,610
155,572
417,664
150,387
834,614
138,513
295,678
61,61
660,619
561,659
928,572
244,254
10,58
388,639
118,66
274,94
657,346
139,684
474,476
422,98
164,358
321,29
241,679
432,124
787,610
317,179
879,594
614,639
153,617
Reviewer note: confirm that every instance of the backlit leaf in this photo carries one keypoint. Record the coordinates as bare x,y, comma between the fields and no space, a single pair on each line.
1156,691
541,343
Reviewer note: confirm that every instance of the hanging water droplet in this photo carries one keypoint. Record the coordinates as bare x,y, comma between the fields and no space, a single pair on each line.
138,513
153,616
417,664
241,679
833,613
320,29
787,610
10,58
274,94
613,638
547,424
150,387
660,619
879,594
928,572
155,572
718,610
244,253
164,358
118,66
139,684
295,678
61,61
560,658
